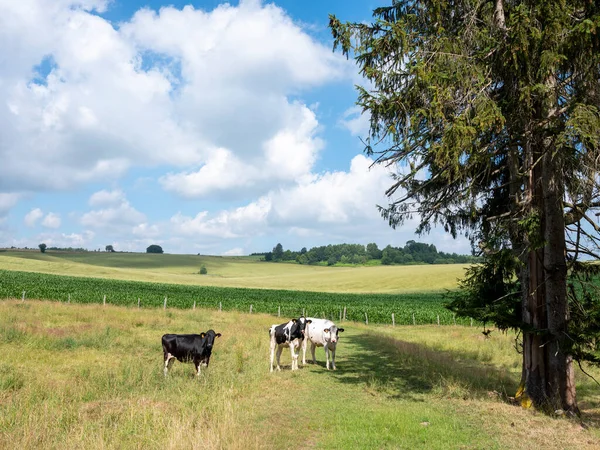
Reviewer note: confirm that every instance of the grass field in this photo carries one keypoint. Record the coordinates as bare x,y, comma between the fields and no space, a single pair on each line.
236,272
87,376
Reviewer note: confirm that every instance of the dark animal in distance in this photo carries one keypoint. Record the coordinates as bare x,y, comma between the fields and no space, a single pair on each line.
195,348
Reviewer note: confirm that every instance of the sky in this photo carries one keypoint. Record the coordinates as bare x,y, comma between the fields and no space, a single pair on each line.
200,126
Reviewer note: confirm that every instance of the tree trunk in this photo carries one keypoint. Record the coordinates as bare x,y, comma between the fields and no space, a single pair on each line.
548,378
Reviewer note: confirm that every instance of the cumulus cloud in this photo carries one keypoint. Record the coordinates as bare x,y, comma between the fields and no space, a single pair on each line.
117,216
175,88
65,240
332,199
286,156
239,222
51,220
33,216
107,198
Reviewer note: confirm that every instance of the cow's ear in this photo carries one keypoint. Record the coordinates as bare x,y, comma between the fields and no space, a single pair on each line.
309,321
202,335
340,329
294,321
326,330
218,335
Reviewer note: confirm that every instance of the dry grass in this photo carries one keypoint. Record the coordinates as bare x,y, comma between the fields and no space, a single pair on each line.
84,376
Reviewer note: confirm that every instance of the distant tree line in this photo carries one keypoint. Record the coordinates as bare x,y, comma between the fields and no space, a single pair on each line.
412,253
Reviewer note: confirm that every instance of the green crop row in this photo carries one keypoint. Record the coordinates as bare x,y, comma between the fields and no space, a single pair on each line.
421,308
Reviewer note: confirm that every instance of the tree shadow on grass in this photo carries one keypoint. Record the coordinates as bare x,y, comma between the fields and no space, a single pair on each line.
404,370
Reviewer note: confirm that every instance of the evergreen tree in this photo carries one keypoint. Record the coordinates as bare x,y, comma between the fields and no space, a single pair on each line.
497,103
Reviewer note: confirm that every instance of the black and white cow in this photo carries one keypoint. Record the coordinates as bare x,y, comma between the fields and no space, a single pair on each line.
290,334
195,348
321,333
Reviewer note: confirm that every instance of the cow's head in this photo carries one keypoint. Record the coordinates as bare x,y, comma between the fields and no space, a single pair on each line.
332,333
302,322
207,344
298,327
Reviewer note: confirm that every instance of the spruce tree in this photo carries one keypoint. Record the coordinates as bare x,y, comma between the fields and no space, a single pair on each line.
489,110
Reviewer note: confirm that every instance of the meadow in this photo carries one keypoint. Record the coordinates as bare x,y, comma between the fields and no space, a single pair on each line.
75,373
88,376
242,272
408,308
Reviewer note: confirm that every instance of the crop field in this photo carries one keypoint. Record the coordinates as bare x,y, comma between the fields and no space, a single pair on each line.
409,308
88,376
241,272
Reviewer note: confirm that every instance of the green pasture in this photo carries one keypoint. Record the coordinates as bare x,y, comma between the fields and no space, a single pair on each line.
244,272
413,308
88,376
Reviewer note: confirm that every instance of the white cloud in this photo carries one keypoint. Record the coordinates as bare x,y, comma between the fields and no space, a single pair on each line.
118,216
334,197
107,198
238,251
33,216
65,240
146,231
285,157
355,121
330,200
244,221
176,88
51,220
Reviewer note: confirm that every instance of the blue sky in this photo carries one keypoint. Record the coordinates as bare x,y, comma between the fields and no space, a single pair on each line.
204,127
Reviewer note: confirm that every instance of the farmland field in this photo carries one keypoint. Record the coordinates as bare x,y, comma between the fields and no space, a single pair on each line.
88,376
244,272
408,308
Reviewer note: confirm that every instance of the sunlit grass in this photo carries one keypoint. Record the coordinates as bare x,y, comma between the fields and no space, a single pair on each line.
237,272
87,376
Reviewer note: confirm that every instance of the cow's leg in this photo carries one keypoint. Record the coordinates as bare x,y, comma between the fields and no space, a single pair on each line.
294,356
333,357
168,362
279,350
304,344
312,350
327,356
272,355
198,365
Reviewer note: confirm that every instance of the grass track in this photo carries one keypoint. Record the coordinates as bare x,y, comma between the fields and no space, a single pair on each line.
92,378
243,272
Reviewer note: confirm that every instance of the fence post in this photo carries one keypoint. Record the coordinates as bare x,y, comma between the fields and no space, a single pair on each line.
104,301
454,318
438,320
323,315
23,297
303,313
340,314
279,311
138,303
250,309
344,313
366,319
69,301
220,306
194,307
165,304
471,321
393,320
414,322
